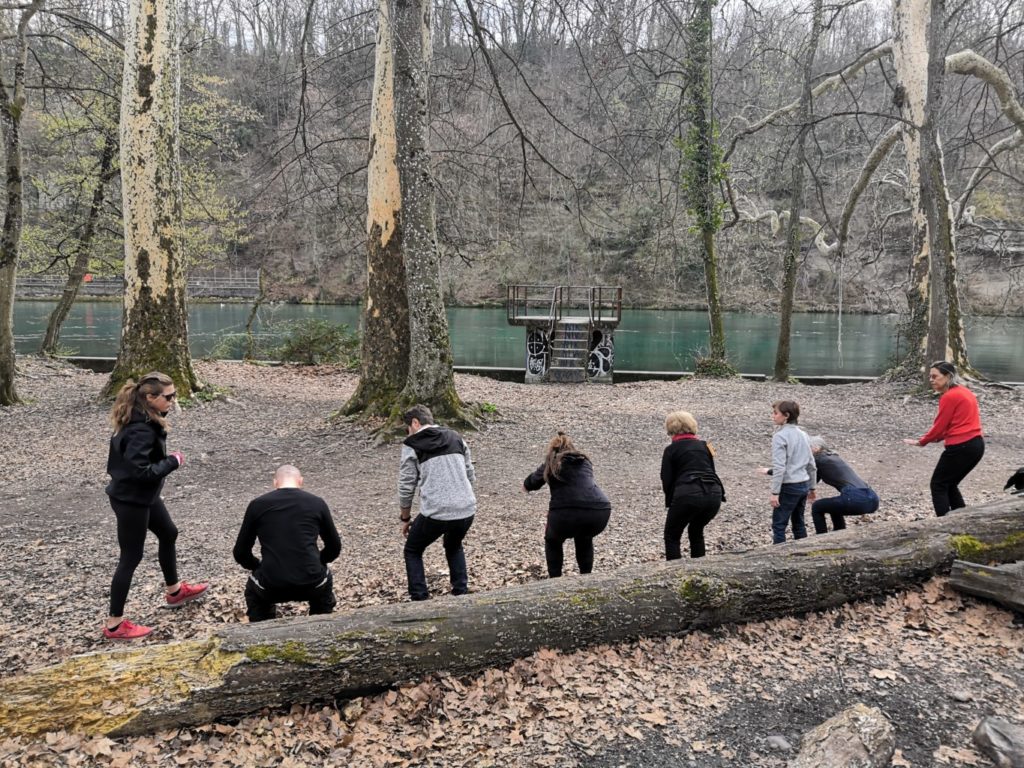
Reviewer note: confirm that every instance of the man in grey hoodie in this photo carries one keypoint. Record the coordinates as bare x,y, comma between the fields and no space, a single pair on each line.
437,461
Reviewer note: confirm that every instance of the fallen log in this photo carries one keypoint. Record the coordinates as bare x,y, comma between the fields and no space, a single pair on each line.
244,667
1003,584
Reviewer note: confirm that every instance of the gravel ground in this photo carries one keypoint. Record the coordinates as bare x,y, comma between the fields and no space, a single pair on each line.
709,699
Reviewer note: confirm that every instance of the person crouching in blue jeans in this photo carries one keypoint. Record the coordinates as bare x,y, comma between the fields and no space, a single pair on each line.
855,496
793,472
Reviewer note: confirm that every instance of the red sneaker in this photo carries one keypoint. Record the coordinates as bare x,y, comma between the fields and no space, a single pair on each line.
126,631
186,593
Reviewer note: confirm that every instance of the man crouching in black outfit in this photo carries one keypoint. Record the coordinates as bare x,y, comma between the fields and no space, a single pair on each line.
287,522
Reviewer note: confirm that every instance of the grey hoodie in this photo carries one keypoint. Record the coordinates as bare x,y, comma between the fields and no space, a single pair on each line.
437,461
792,459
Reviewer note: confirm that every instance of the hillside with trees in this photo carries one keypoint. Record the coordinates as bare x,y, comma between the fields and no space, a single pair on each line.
556,134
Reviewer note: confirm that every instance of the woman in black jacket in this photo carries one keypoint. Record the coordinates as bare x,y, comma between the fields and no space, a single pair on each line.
578,509
693,490
137,464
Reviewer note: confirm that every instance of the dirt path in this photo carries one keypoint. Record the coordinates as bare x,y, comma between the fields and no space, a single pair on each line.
704,700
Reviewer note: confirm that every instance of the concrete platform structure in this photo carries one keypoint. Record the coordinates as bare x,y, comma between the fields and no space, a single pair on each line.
570,330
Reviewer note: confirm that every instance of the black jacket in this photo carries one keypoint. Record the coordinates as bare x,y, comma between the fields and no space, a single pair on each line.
287,522
138,462
575,488
688,469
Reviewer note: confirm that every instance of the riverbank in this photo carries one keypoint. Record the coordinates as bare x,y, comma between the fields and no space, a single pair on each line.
861,345
933,661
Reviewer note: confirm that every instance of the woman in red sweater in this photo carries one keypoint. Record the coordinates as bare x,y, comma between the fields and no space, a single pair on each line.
958,425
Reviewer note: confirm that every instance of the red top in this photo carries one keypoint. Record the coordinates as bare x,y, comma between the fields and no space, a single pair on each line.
958,419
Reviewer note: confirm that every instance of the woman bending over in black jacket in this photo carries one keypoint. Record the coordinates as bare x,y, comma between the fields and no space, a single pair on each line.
137,464
693,491
578,509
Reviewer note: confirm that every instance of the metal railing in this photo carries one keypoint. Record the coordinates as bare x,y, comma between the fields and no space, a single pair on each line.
214,285
602,304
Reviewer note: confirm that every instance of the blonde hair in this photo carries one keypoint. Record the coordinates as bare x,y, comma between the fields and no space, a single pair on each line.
560,445
680,422
132,397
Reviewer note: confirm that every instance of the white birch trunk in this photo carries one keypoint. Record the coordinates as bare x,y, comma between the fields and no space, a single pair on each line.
935,328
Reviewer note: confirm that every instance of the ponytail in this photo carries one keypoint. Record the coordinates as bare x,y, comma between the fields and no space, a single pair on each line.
560,445
132,397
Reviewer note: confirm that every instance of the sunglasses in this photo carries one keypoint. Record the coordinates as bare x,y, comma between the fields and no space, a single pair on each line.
168,396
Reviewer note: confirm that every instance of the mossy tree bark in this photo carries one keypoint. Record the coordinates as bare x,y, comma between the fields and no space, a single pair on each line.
430,377
154,333
83,250
385,343
406,353
12,107
796,202
241,668
703,172
934,328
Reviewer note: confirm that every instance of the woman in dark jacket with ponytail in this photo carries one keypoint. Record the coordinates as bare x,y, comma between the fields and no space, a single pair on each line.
578,510
138,463
693,490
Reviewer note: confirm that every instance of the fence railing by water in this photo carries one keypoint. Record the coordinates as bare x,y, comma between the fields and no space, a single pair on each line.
231,286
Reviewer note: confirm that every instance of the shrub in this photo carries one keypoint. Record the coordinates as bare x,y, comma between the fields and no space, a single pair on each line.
314,341
710,367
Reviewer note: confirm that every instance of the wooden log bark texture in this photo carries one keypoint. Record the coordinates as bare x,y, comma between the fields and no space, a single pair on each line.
1003,584
241,668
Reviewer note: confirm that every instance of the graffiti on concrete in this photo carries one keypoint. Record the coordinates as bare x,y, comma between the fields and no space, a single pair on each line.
602,354
538,352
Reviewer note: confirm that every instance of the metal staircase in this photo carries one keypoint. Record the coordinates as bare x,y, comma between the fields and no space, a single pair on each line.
563,324
570,341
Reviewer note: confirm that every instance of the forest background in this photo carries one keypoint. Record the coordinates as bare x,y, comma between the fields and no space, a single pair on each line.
555,146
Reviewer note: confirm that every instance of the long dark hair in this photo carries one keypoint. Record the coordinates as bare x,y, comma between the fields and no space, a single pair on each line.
560,446
132,397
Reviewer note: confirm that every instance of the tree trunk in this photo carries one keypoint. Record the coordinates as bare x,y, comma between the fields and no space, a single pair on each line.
716,325
1004,585
385,343
154,334
81,263
12,107
8,369
429,379
703,172
935,324
406,351
241,668
796,202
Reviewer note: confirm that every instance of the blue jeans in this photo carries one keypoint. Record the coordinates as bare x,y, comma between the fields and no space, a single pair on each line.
423,532
850,501
792,498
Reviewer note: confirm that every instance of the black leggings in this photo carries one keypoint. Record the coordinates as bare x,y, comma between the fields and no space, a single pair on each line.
954,465
580,525
691,513
132,523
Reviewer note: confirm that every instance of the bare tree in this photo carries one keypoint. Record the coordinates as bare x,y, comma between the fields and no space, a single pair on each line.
794,240
12,109
935,326
407,312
